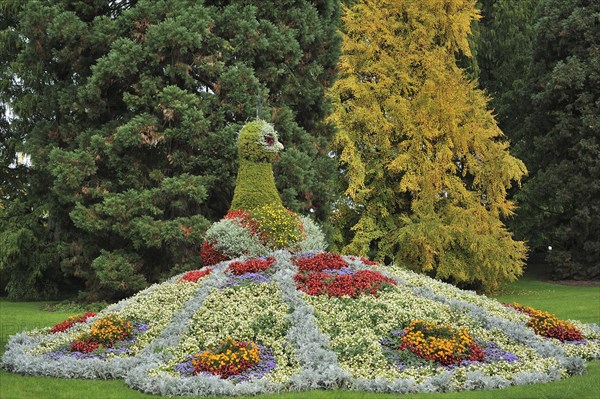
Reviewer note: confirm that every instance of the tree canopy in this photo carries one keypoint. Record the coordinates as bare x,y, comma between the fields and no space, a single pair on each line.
425,165
560,203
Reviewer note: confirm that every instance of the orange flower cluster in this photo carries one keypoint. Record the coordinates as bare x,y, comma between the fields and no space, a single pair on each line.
440,343
548,325
110,329
228,358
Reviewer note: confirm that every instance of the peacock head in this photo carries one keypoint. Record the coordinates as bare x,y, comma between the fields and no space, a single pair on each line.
258,142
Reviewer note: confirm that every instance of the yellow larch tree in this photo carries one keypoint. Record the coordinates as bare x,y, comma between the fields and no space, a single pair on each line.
425,165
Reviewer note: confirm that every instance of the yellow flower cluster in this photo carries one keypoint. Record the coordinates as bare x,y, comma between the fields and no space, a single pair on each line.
110,329
279,227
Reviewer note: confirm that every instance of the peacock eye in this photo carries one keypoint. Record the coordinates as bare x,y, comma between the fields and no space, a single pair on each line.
269,139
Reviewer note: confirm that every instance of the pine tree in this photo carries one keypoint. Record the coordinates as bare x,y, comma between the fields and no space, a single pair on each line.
426,166
561,199
130,111
504,51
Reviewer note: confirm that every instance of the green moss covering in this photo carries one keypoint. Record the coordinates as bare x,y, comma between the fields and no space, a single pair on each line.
255,186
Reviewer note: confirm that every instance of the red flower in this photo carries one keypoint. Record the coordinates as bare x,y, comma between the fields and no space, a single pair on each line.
250,266
71,321
194,275
320,262
210,256
352,285
84,346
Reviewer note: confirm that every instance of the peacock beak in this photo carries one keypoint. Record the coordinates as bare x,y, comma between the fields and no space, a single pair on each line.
279,146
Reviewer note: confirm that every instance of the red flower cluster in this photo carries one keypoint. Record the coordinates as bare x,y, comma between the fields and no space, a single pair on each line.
210,256
320,262
85,346
250,266
352,285
548,325
194,275
369,262
71,321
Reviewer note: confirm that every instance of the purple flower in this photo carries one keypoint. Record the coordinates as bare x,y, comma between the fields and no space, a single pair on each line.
256,278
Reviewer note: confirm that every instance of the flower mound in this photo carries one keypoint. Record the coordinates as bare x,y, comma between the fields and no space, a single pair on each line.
227,359
548,325
70,322
440,343
284,321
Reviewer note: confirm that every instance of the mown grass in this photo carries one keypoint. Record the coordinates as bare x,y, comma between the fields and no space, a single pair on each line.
581,303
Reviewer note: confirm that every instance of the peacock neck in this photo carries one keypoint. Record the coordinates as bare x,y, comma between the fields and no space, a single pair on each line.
255,186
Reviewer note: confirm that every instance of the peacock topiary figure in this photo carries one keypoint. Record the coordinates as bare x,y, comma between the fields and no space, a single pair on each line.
257,222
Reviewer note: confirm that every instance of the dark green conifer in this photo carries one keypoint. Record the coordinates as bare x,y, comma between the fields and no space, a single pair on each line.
130,112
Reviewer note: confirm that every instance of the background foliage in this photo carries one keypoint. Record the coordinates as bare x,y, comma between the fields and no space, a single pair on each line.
539,60
130,111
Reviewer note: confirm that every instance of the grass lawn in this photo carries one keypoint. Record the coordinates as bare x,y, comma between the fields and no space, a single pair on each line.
568,302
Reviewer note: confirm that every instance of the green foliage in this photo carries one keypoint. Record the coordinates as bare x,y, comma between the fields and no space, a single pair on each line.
560,140
124,105
504,50
255,184
425,165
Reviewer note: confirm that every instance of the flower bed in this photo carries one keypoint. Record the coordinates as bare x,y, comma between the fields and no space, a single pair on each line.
548,325
235,361
109,336
300,322
195,275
